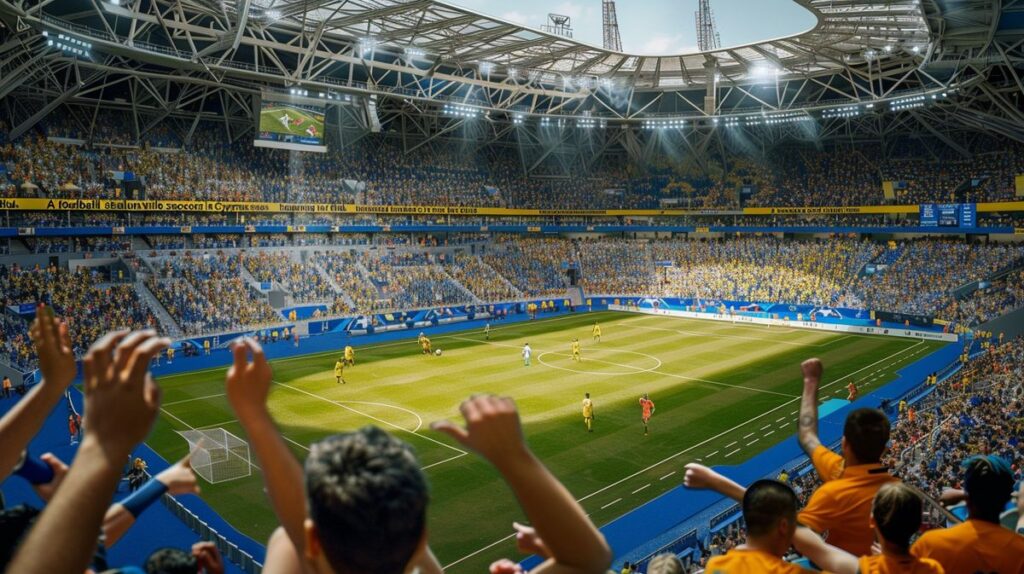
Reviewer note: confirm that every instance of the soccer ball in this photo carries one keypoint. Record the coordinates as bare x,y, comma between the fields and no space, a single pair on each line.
437,353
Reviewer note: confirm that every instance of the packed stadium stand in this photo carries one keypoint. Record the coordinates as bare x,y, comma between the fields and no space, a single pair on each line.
230,232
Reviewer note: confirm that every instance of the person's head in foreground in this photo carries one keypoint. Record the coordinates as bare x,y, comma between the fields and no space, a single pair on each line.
367,500
665,564
988,482
896,515
769,510
865,435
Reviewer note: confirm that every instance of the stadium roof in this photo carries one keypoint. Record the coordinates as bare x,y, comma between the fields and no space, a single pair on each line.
414,59
846,31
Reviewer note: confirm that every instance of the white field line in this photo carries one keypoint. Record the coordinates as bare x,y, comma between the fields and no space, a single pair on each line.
637,369
610,503
203,398
419,419
728,454
369,416
688,449
641,488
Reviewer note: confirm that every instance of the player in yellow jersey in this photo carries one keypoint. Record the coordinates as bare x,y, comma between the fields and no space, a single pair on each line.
576,350
350,355
588,412
339,368
425,345
596,332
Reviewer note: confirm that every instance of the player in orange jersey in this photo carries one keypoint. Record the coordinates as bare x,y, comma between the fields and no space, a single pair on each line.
648,409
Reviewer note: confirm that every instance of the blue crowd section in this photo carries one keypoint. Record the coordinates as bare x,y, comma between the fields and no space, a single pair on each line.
231,229
651,526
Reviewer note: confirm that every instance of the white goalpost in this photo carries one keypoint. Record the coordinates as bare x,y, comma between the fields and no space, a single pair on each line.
217,455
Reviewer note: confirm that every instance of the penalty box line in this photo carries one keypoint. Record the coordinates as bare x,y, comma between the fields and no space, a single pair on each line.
369,416
690,448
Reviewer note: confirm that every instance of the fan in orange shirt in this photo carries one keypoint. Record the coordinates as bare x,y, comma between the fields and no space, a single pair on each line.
895,517
769,510
841,507
980,544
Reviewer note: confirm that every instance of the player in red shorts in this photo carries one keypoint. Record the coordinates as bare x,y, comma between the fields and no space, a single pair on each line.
852,390
648,409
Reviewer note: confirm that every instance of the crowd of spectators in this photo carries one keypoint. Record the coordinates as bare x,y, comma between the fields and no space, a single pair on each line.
534,266
480,278
207,294
304,282
919,281
377,171
85,297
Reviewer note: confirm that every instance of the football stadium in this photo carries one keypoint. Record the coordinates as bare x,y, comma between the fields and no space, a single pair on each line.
396,286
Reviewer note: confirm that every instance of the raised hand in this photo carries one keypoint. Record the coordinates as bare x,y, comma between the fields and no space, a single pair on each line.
248,383
700,476
179,478
812,370
121,398
528,541
208,558
60,470
492,428
53,345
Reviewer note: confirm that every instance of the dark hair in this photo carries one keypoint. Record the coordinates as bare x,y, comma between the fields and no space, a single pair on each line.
867,433
765,503
988,481
368,499
15,522
170,561
897,512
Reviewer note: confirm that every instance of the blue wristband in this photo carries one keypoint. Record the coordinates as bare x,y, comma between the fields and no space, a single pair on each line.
34,470
142,498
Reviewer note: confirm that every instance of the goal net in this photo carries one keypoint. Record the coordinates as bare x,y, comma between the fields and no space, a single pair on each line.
218,455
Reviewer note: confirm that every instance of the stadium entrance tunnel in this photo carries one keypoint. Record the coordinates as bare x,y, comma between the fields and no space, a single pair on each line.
601,361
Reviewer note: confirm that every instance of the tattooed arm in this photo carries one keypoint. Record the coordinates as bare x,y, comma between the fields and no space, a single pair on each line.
807,432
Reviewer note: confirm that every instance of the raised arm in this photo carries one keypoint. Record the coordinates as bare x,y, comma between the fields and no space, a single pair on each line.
825,556
807,432
57,363
700,476
174,480
247,385
493,430
121,404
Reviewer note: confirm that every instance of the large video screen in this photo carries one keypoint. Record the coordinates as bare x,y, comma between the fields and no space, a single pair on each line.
289,125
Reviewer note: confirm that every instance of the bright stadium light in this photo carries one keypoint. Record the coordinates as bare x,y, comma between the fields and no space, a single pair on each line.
485,68
414,52
460,111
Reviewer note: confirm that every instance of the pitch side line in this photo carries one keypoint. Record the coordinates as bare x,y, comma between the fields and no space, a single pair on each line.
688,449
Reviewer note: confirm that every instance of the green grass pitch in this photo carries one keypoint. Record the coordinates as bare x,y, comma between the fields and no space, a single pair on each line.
270,121
723,393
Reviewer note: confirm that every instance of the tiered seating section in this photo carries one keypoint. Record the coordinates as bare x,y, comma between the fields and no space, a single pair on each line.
210,168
